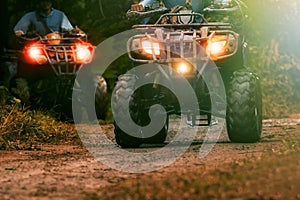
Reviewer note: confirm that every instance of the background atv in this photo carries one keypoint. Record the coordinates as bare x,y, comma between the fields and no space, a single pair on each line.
47,68
169,43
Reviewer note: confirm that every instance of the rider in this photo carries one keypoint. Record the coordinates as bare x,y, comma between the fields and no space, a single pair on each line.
44,20
196,5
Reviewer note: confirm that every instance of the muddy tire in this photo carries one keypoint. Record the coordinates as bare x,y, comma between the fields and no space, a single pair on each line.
124,92
244,108
101,97
140,116
20,88
160,137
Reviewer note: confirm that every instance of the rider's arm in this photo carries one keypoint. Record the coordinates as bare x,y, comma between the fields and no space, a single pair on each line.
66,24
22,26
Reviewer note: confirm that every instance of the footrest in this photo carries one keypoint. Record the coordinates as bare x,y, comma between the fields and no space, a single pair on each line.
199,120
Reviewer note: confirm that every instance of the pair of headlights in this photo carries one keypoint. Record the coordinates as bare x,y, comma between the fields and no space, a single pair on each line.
216,47
36,53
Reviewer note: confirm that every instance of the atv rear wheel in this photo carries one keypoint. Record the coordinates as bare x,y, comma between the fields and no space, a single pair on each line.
244,107
20,88
124,92
101,97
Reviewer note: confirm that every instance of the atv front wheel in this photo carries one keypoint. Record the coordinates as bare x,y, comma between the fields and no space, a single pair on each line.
125,92
244,107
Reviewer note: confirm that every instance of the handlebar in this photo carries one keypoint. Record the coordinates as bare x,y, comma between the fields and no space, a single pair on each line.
150,12
31,36
211,9
168,15
135,15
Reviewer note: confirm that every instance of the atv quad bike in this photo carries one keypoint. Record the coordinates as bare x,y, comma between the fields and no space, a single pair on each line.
47,68
175,41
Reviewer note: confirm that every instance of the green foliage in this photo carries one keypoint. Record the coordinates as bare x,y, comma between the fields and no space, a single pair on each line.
21,128
280,80
274,53
99,18
4,95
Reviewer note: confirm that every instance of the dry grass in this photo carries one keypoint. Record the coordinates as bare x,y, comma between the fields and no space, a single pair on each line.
22,128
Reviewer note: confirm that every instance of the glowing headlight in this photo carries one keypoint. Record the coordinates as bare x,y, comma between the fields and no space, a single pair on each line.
34,54
217,46
151,47
83,53
183,68
221,45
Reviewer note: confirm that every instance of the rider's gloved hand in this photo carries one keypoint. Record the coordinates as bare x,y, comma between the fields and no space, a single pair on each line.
137,7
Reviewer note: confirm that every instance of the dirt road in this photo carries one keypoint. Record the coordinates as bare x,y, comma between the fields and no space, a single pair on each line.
265,170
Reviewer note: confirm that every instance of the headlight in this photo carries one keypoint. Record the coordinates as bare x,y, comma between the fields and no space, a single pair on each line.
183,68
217,45
221,45
84,53
53,38
150,47
34,54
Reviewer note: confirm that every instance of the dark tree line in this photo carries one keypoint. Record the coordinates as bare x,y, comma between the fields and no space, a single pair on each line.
99,18
103,18
4,23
